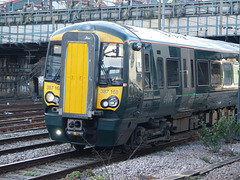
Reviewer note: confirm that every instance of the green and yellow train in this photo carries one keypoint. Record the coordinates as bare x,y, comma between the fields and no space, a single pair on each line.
109,85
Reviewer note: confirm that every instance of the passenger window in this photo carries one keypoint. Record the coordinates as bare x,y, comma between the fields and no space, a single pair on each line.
203,73
216,79
227,74
147,79
160,78
235,74
192,74
185,73
172,72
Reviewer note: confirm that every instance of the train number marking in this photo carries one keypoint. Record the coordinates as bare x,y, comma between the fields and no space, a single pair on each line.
106,91
50,88
114,92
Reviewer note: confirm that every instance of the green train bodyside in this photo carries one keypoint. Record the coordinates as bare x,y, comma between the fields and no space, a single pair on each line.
153,90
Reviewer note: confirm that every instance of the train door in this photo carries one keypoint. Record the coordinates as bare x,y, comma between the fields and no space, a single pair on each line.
187,75
80,52
147,80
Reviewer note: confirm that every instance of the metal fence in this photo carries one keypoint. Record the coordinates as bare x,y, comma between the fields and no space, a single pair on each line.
197,18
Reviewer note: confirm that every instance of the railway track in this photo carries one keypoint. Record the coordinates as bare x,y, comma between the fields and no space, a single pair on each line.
22,121
23,138
27,119
32,126
21,113
24,101
33,145
57,166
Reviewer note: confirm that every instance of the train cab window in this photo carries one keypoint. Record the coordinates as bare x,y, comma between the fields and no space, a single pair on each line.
173,72
227,74
147,78
111,64
216,79
53,63
160,78
203,73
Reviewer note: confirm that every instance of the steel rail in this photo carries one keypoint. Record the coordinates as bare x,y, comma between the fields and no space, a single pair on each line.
21,108
36,161
27,126
4,116
26,120
118,158
21,118
29,147
24,130
23,138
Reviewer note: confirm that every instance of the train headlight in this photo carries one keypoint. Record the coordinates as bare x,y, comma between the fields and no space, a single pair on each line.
51,98
112,102
58,132
104,103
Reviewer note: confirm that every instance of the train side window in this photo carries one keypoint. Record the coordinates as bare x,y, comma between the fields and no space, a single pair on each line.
216,79
185,73
172,72
160,78
227,74
235,74
192,74
147,78
203,73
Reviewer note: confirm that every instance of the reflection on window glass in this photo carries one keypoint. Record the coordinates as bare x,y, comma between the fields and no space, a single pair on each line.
111,64
160,77
235,73
172,72
216,74
203,73
57,49
227,74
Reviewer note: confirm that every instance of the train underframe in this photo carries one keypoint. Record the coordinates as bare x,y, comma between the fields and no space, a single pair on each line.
159,130
150,133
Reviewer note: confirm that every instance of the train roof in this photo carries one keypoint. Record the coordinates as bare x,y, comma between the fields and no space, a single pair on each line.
161,37
126,32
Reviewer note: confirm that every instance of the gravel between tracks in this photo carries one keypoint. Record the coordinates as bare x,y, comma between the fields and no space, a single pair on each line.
30,154
20,156
157,165
183,158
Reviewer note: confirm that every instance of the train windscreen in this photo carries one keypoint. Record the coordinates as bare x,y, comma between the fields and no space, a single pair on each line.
111,72
53,64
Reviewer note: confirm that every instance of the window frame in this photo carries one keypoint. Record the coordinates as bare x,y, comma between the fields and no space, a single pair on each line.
162,72
206,62
167,73
211,69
